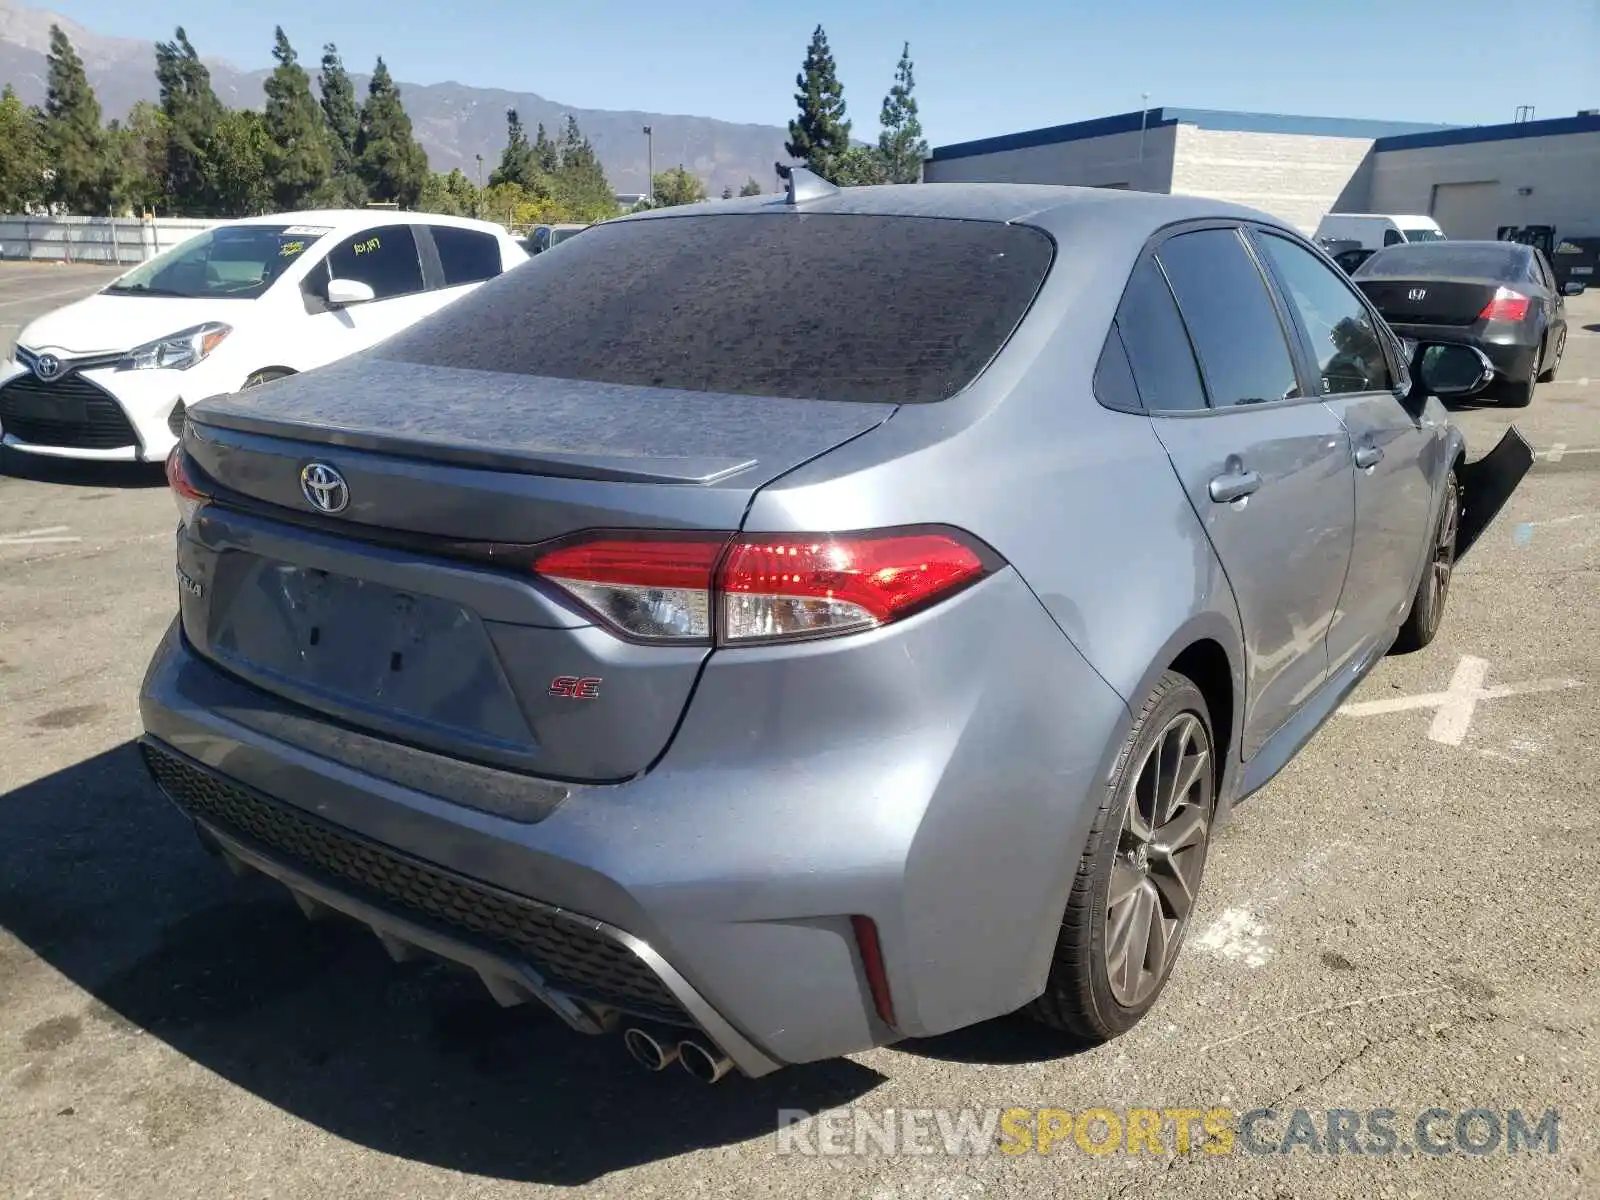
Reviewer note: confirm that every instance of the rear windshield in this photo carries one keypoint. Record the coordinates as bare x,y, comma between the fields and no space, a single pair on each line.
821,305
1447,260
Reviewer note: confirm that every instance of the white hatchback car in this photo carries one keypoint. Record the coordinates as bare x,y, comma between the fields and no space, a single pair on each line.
109,377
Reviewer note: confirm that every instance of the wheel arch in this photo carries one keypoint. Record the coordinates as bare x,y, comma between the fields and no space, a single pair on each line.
1209,651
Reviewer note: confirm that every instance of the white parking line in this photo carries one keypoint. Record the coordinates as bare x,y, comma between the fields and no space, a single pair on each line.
77,290
48,536
1454,707
1556,452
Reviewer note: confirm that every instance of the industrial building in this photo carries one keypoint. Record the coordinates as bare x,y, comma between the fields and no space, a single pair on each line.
1473,180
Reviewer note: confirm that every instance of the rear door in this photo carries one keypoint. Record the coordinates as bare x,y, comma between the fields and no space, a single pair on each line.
387,259
461,259
1266,466
1395,448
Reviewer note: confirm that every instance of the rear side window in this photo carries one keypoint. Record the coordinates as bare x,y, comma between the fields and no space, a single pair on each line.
1231,318
1157,347
385,259
819,305
467,255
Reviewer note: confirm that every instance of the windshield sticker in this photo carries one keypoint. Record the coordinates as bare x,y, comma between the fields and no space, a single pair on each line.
368,246
290,249
310,231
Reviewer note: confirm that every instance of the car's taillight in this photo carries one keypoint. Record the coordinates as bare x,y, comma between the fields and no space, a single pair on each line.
189,497
761,587
1507,305
658,588
788,586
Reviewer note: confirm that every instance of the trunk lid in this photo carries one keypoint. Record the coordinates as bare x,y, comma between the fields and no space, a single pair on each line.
377,616
1429,301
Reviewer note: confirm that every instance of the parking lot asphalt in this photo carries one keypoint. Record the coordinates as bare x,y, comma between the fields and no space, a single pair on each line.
1406,918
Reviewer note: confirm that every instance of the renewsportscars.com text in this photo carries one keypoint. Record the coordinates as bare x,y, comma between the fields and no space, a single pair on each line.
1379,1132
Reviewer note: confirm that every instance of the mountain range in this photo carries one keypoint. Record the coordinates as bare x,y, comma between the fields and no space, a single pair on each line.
453,121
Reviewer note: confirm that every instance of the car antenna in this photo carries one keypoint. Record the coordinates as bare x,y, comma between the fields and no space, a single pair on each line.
804,184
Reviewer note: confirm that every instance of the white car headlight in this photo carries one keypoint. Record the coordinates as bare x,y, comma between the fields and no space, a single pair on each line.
178,351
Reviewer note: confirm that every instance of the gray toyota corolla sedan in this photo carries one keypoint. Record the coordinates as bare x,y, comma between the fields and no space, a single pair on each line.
776,628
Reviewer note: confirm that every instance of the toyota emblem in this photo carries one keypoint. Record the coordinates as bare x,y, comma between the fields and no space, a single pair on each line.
47,367
324,488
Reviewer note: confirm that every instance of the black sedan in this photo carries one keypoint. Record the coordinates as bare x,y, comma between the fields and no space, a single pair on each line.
1498,296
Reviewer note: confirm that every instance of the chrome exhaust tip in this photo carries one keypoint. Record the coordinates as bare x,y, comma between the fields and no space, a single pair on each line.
647,1052
705,1064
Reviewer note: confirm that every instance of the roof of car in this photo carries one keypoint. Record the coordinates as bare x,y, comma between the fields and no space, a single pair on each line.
340,219
1016,202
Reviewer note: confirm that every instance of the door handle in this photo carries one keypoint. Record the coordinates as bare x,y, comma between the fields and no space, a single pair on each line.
1235,485
1368,456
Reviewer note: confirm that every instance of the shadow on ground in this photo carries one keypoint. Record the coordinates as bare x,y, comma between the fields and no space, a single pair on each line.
103,880
71,472
1007,1041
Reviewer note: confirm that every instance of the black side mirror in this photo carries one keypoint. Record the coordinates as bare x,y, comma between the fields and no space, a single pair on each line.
1448,369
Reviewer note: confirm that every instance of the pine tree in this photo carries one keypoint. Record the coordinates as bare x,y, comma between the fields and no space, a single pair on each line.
750,188
546,154
821,133
580,187
727,192
517,163
392,164
193,115
21,156
76,146
343,118
300,162
901,145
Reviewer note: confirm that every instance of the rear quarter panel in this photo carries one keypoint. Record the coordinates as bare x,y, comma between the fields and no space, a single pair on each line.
1082,501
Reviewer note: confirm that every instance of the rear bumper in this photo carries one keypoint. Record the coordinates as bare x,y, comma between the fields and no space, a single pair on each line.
1510,348
948,800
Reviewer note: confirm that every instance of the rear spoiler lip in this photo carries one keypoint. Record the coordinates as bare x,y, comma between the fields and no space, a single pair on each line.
702,472
1488,483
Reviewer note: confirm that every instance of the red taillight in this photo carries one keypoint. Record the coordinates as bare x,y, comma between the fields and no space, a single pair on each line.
657,588
189,498
760,587
1506,306
781,587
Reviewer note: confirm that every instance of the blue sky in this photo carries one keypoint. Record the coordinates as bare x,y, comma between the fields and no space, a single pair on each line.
982,68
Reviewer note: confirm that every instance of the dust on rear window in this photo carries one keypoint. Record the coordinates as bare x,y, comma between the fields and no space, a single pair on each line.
1447,260
818,305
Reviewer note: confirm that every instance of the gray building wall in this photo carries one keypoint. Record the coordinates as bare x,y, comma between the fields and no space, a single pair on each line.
1295,177
1110,161
1562,171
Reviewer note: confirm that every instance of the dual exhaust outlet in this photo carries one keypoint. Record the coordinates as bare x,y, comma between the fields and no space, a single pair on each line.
705,1063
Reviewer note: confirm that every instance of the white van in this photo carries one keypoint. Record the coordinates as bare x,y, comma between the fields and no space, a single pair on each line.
1374,231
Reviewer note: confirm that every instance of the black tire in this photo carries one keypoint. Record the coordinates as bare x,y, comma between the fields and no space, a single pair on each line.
1554,360
1079,997
1518,393
266,376
1433,589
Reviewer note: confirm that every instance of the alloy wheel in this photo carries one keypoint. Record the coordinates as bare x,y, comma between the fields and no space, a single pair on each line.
1161,854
